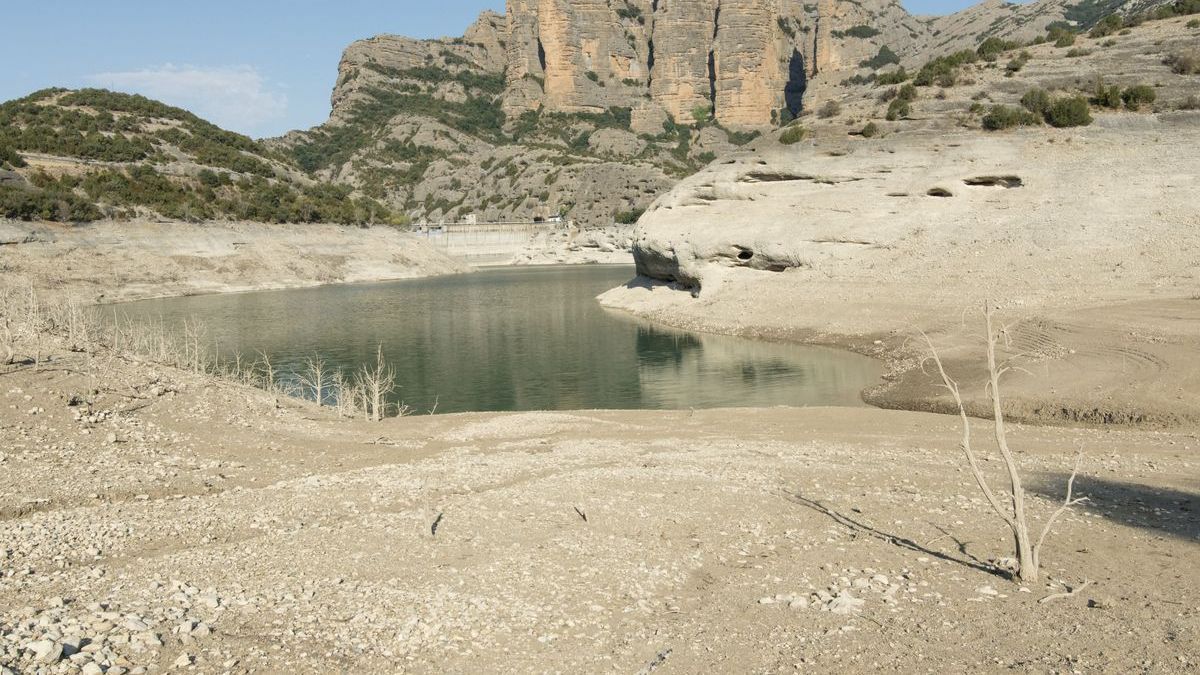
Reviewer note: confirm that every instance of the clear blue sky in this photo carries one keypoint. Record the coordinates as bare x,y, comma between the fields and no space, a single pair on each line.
261,67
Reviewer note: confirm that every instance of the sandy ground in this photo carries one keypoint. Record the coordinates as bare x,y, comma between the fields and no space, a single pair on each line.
116,261
176,522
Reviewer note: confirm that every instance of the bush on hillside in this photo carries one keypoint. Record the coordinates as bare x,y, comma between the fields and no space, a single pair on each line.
1003,117
884,57
9,158
870,131
1138,95
829,109
991,48
793,134
1061,34
1016,64
899,109
1106,96
893,77
943,70
1109,25
19,203
1070,111
628,217
861,31
1036,101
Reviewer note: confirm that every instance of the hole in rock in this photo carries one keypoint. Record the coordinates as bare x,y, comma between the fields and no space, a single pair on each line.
745,255
940,192
773,177
995,181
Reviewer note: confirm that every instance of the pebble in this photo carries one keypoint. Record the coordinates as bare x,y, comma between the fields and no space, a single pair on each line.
47,651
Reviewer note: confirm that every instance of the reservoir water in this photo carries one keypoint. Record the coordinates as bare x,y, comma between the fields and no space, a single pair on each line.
508,339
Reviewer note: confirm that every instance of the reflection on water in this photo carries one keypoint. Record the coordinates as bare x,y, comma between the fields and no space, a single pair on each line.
518,339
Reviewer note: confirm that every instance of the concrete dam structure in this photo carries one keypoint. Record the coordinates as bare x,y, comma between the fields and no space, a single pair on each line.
486,243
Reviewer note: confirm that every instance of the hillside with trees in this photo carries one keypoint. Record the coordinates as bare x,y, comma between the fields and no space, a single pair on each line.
90,154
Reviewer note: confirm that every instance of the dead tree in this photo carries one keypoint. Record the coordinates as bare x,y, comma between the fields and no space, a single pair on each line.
376,383
314,378
1013,513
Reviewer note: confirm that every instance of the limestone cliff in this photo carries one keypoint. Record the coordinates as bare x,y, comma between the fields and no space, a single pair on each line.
590,108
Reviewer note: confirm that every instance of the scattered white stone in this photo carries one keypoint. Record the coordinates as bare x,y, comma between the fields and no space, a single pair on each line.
987,590
845,603
46,651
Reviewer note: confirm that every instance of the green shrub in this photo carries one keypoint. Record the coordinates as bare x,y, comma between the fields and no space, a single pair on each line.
991,48
631,12
1015,65
20,203
1138,95
741,138
1069,111
793,134
628,217
1003,117
591,75
9,158
884,57
907,93
1178,8
861,31
702,114
1076,52
944,69
870,131
1194,23
976,108
1036,101
894,77
899,109
1061,34
1107,96
1107,26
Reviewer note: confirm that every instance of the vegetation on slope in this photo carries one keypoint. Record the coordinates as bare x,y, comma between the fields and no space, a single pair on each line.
130,155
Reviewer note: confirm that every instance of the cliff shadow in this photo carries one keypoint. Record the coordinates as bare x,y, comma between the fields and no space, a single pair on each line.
797,84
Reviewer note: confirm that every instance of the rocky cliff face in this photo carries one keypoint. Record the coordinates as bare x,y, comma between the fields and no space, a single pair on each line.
590,108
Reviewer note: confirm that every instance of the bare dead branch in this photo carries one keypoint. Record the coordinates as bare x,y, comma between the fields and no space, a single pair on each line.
1068,502
1070,592
965,443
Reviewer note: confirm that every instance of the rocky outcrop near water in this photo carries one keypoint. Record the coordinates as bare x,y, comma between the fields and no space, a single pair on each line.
850,229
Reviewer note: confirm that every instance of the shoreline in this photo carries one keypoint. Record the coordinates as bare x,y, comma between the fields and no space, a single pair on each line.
577,541
1029,398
